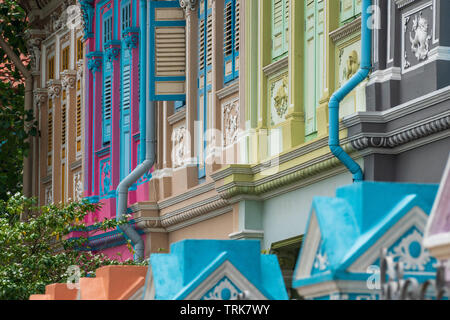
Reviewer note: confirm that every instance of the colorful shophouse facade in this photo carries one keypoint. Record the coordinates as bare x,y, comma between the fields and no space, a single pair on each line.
255,78
57,59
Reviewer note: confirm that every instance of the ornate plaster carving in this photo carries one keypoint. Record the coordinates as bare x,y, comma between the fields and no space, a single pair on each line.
179,149
87,10
224,290
95,60
419,37
80,68
77,186
68,79
352,65
188,5
279,93
231,122
112,53
130,38
54,88
392,141
33,41
40,96
48,195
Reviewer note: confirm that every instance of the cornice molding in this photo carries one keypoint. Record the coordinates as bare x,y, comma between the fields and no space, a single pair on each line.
276,66
399,111
228,90
402,3
405,135
345,30
177,116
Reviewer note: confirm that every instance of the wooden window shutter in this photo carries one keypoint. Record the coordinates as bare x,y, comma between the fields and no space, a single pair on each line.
78,116
280,27
107,109
64,123
168,54
201,45
231,39
126,95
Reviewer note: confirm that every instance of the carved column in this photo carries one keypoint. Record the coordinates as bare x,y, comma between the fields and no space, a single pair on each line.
187,177
40,100
54,93
34,39
68,82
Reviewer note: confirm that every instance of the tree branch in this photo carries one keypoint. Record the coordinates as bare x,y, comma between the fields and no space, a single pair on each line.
14,58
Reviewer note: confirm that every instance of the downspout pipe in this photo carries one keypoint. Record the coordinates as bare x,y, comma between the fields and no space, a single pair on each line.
143,75
147,128
339,95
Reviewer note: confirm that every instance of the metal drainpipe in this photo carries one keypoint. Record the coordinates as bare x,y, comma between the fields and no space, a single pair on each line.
339,95
147,125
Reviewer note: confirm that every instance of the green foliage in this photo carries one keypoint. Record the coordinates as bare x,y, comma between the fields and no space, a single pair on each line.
13,147
39,252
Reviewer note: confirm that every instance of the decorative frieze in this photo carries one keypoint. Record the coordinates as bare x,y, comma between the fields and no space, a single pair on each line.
403,137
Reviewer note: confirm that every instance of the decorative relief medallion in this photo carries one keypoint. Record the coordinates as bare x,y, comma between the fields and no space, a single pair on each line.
77,187
231,122
417,33
352,65
349,62
224,290
419,37
279,99
179,146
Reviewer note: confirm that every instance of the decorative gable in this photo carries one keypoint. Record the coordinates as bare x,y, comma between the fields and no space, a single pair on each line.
437,235
404,243
311,257
226,282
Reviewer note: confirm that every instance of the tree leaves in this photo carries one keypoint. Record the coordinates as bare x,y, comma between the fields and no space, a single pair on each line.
13,147
39,251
